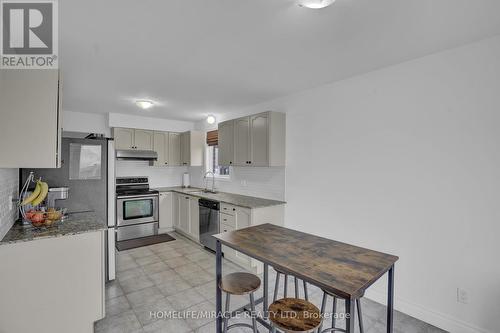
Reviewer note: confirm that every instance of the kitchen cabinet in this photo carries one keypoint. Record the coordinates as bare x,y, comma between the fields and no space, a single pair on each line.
60,275
143,139
237,218
242,141
184,209
192,148
124,138
160,146
194,218
30,132
258,140
174,149
188,222
176,199
226,142
129,138
166,206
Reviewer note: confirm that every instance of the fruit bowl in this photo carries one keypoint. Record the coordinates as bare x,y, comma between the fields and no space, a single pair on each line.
41,218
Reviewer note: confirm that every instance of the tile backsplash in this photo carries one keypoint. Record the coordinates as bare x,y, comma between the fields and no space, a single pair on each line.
266,183
158,176
9,186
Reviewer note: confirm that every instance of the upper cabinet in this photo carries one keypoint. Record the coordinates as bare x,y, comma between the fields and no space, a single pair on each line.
257,140
192,148
160,145
226,143
174,148
30,104
143,139
129,138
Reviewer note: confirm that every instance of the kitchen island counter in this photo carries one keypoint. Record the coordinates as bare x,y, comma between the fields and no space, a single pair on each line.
76,223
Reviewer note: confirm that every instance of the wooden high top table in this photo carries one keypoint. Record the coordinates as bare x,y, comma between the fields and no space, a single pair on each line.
343,269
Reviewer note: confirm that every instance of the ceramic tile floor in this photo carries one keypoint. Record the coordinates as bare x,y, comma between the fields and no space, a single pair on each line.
179,277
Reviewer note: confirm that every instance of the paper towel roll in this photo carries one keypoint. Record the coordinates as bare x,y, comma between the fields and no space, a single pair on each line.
186,180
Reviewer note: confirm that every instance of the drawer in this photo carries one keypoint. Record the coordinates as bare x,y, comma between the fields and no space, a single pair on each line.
227,208
226,228
227,219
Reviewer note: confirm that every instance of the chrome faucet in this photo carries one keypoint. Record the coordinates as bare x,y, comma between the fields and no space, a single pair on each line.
213,181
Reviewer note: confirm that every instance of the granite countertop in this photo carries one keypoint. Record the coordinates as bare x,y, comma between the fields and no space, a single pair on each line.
230,198
76,223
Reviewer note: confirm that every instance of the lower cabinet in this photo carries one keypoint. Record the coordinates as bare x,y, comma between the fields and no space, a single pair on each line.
53,285
166,217
187,216
237,218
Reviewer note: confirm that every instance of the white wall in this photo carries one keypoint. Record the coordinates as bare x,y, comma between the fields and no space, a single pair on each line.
159,124
9,185
406,160
86,122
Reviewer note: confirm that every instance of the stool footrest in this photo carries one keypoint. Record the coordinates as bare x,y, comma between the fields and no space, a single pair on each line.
240,325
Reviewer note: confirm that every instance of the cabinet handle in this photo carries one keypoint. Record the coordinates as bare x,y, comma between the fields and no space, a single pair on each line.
234,209
230,162
225,219
166,162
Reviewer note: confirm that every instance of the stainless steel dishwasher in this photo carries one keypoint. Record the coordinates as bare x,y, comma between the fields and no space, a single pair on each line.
209,222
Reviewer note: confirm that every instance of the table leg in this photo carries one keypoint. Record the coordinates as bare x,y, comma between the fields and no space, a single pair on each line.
350,312
390,301
266,290
218,297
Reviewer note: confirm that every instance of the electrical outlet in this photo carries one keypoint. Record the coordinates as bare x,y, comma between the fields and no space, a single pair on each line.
462,296
11,201
243,183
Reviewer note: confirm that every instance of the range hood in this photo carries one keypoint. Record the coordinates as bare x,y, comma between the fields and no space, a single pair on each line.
137,155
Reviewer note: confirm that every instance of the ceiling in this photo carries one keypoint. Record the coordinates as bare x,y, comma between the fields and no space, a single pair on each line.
195,57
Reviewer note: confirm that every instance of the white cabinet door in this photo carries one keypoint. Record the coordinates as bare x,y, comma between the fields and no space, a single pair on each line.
176,200
166,211
159,148
124,138
143,139
174,149
243,220
185,149
184,214
242,141
194,218
259,140
30,119
226,143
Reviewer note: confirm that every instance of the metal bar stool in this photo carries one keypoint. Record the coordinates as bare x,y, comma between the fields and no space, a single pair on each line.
239,284
285,291
334,311
294,315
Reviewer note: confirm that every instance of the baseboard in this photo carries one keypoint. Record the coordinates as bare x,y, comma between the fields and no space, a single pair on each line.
438,319
165,230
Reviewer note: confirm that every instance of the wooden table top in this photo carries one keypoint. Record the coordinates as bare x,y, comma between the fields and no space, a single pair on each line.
343,269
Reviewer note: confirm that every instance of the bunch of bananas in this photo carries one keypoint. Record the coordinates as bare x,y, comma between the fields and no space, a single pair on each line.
38,195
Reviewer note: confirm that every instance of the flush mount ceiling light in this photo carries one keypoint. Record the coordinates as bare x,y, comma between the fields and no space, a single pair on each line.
211,119
315,4
144,104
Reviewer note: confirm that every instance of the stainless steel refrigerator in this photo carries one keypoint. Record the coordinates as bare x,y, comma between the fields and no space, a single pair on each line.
88,170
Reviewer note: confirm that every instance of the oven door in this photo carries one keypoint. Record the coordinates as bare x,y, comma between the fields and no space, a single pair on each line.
136,209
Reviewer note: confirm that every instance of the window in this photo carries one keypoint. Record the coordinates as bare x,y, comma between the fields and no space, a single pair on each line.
212,163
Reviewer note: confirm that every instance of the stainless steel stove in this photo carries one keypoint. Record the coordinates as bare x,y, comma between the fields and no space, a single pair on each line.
136,208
